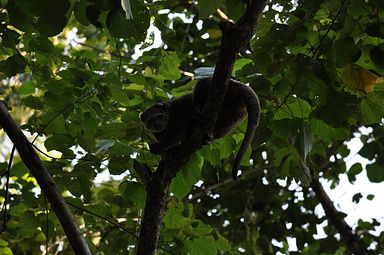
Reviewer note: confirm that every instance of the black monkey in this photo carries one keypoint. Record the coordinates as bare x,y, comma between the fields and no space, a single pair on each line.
171,121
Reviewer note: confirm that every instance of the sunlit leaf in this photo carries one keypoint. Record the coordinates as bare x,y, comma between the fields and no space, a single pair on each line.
358,78
169,66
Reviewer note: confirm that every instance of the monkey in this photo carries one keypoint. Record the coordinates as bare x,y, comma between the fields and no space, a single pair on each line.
171,121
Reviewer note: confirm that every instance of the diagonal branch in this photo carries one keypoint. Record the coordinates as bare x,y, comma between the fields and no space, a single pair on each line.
46,182
351,239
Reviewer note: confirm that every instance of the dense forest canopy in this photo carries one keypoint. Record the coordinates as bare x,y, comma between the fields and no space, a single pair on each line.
75,75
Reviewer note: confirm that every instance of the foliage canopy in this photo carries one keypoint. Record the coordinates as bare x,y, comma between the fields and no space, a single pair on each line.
77,73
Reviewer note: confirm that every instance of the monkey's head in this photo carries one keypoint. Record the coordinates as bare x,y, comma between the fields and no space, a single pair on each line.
155,118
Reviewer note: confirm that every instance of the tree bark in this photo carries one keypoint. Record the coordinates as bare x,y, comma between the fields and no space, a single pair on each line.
45,181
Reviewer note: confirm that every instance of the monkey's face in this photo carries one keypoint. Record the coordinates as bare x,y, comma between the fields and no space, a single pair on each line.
155,118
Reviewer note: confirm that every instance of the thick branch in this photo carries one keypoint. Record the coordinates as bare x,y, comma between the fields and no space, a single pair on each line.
235,38
46,182
352,241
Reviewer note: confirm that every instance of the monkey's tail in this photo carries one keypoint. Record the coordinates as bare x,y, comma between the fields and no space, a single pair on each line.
253,108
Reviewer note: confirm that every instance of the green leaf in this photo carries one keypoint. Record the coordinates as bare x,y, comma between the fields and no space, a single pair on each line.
117,165
298,108
375,172
208,7
198,246
222,243
19,169
13,65
136,28
372,108
59,142
48,228
10,38
370,197
202,229
357,197
41,44
240,63
326,132
133,191
27,88
79,9
185,179
3,243
6,251
28,224
114,130
48,26
119,95
169,65
369,150
353,171
173,220
20,16
235,9
18,209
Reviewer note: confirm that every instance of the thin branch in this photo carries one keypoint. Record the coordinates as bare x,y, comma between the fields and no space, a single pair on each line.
118,225
4,209
143,171
226,182
103,51
79,100
329,28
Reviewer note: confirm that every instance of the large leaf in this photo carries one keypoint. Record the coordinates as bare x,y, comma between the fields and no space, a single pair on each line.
375,172
169,66
372,108
182,184
198,246
119,26
298,108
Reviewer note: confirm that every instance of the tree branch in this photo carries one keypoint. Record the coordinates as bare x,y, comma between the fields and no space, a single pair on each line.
226,182
45,181
235,38
351,239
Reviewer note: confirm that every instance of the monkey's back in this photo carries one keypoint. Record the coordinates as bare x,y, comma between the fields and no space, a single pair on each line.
234,109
